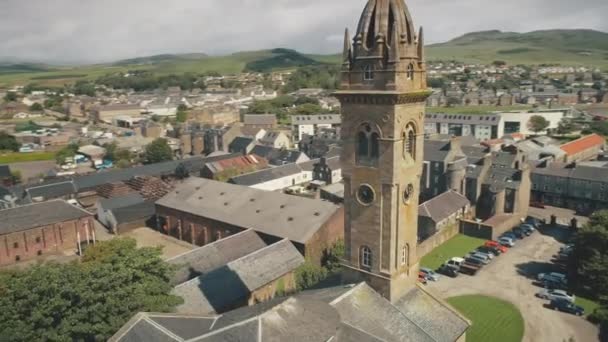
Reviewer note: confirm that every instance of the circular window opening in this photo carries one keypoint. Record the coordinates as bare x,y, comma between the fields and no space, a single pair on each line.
365,194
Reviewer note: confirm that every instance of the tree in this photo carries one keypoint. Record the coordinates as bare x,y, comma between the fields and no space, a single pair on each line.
67,152
158,151
27,126
8,142
499,63
565,127
10,96
181,116
86,301
538,123
308,109
36,107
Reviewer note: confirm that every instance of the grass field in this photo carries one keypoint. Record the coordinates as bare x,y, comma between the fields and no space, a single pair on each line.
492,319
587,304
8,158
458,246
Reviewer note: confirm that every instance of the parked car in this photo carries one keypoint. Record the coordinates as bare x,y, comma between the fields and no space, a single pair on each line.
464,266
567,248
489,250
533,221
510,235
519,233
487,256
553,276
553,285
528,229
506,241
497,245
477,261
556,295
448,271
566,306
422,278
430,274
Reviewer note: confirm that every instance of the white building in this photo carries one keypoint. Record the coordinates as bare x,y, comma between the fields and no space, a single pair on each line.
311,124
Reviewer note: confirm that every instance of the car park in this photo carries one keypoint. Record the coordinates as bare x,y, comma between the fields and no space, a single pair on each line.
556,295
553,285
534,222
510,235
477,261
422,278
486,256
489,250
466,266
566,306
430,274
528,229
506,241
553,276
497,245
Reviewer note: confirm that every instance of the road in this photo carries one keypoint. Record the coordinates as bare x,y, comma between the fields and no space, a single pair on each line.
510,276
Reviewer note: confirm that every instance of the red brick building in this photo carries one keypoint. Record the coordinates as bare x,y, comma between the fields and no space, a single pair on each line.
33,230
585,148
202,211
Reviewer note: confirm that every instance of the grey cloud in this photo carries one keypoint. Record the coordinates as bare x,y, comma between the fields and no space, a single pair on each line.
94,31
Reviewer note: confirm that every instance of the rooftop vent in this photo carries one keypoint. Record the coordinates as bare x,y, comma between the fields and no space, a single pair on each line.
225,203
290,219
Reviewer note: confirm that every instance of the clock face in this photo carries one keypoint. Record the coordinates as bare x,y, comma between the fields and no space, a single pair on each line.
365,194
408,192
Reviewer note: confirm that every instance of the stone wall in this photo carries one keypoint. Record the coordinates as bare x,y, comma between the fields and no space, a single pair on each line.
438,239
279,287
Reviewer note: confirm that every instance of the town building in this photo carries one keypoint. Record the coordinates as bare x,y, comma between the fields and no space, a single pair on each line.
312,124
319,145
487,126
275,139
441,212
201,211
122,214
225,169
257,121
573,186
585,148
108,112
38,229
6,176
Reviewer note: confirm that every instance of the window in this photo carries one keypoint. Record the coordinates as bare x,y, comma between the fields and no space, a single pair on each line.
404,255
368,145
365,194
16,245
410,72
409,143
368,73
375,146
38,239
366,257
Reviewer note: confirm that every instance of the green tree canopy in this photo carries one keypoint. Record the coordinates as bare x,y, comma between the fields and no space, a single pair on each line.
158,151
86,301
10,96
36,107
538,123
66,152
8,142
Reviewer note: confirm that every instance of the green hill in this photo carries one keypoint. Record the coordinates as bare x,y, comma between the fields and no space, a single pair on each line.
566,47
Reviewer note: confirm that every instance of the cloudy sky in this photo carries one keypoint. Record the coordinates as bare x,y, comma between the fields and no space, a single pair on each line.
86,31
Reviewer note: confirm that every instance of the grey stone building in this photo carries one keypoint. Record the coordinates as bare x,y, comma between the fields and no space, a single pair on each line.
578,187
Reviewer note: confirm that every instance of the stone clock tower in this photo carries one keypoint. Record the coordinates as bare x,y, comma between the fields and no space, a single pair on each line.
383,93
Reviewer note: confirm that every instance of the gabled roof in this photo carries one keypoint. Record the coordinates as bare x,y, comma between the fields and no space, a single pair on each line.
442,206
240,144
226,286
272,213
53,190
583,144
205,259
120,202
240,162
134,212
39,214
267,175
260,119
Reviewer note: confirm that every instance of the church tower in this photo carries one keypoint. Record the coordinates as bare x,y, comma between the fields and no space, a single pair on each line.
383,93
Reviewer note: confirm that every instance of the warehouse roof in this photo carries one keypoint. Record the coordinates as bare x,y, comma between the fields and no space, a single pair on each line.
38,215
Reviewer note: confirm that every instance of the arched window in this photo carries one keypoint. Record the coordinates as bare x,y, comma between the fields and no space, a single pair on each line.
410,72
411,143
368,73
375,146
368,145
366,257
362,144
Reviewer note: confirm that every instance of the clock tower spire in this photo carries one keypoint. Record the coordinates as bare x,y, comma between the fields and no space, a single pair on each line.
383,93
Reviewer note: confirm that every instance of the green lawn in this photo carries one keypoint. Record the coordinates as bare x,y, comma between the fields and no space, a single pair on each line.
492,319
587,304
8,158
458,246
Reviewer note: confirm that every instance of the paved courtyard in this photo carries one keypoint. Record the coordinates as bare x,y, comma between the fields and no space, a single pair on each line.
510,277
147,237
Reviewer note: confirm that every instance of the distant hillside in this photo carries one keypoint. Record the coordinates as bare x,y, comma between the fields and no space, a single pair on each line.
566,47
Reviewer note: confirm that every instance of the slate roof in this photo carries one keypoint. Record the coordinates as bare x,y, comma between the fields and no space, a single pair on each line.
54,190
442,206
436,150
271,213
260,119
38,214
267,152
222,288
134,212
266,175
286,157
212,256
119,202
342,313
240,144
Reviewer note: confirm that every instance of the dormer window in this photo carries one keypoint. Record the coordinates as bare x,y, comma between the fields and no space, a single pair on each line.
368,73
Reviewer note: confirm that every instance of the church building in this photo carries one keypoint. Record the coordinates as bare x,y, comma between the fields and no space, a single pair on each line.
383,93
